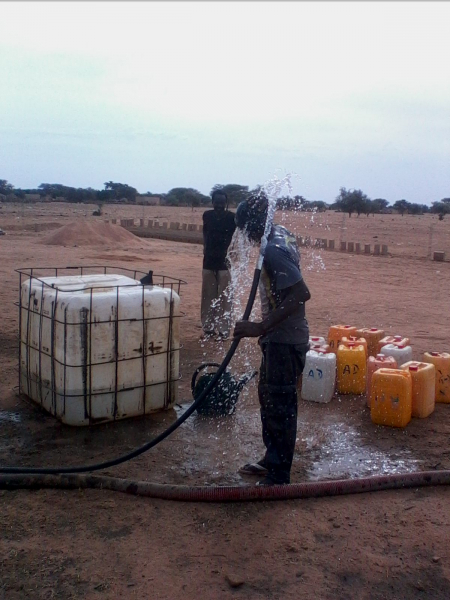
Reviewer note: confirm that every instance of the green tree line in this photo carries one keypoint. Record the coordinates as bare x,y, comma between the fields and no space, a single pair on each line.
348,200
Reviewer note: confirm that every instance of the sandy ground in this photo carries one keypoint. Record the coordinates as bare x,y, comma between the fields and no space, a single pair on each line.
92,544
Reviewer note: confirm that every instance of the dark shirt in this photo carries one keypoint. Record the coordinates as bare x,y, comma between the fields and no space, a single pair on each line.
281,270
218,229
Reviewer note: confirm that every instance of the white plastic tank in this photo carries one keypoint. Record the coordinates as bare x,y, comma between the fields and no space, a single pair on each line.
96,348
402,354
319,376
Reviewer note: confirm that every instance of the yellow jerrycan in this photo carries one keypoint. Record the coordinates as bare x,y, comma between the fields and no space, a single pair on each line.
372,335
351,369
391,397
337,332
353,340
380,361
441,362
423,387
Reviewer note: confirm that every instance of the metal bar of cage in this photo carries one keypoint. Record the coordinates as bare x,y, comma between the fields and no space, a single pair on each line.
52,364
31,270
20,330
104,393
116,346
99,322
106,362
40,341
144,353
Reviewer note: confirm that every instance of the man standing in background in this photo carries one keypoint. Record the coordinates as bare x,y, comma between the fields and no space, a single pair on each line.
218,229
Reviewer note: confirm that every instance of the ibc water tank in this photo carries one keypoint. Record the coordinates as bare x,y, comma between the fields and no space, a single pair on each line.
96,348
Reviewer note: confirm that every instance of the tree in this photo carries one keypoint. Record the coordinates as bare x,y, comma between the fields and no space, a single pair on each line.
378,205
441,208
186,196
402,206
54,190
235,192
351,201
5,187
417,209
121,190
318,205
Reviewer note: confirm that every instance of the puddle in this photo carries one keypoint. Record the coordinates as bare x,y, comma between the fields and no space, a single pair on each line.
343,454
6,415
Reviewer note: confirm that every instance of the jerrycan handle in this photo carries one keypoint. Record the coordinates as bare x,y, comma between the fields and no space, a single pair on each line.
197,371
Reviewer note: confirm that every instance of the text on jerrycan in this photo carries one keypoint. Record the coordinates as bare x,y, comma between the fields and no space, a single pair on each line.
443,378
350,369
319,373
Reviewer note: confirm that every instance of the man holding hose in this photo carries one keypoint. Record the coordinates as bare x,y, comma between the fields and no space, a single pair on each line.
283,338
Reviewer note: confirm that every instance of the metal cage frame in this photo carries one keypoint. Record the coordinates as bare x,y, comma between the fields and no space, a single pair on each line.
36,273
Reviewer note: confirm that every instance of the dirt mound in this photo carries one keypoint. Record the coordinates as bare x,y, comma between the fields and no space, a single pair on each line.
85,233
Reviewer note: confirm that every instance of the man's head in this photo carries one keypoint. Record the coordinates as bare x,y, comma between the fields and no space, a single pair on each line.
251,215
219,200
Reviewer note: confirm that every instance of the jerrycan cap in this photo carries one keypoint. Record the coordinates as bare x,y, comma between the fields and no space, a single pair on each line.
435,353
373,329
315,339
401,346
414,366
348,327
397,338
381,356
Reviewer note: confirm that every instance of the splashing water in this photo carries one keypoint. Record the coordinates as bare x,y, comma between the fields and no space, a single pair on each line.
243,255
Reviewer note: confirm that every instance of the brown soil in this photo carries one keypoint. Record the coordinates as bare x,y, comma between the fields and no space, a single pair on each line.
94,233
93,544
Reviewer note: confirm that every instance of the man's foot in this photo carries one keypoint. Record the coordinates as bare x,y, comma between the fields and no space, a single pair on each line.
253,469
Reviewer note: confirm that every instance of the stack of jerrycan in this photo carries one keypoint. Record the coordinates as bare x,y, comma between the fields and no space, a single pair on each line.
391,397
319,375
373,336
441,361
373,364
351,368
423,387
337,332
353,340
396,340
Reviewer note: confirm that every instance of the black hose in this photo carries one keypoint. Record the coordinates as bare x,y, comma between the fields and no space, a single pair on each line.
162,436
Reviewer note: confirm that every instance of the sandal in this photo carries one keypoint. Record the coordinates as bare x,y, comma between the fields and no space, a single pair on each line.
253,469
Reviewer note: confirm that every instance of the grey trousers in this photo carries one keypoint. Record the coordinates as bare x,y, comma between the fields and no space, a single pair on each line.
216,305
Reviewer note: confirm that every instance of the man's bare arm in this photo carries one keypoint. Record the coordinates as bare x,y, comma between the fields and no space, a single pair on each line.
297,294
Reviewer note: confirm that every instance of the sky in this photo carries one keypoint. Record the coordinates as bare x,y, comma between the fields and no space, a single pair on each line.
191,94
